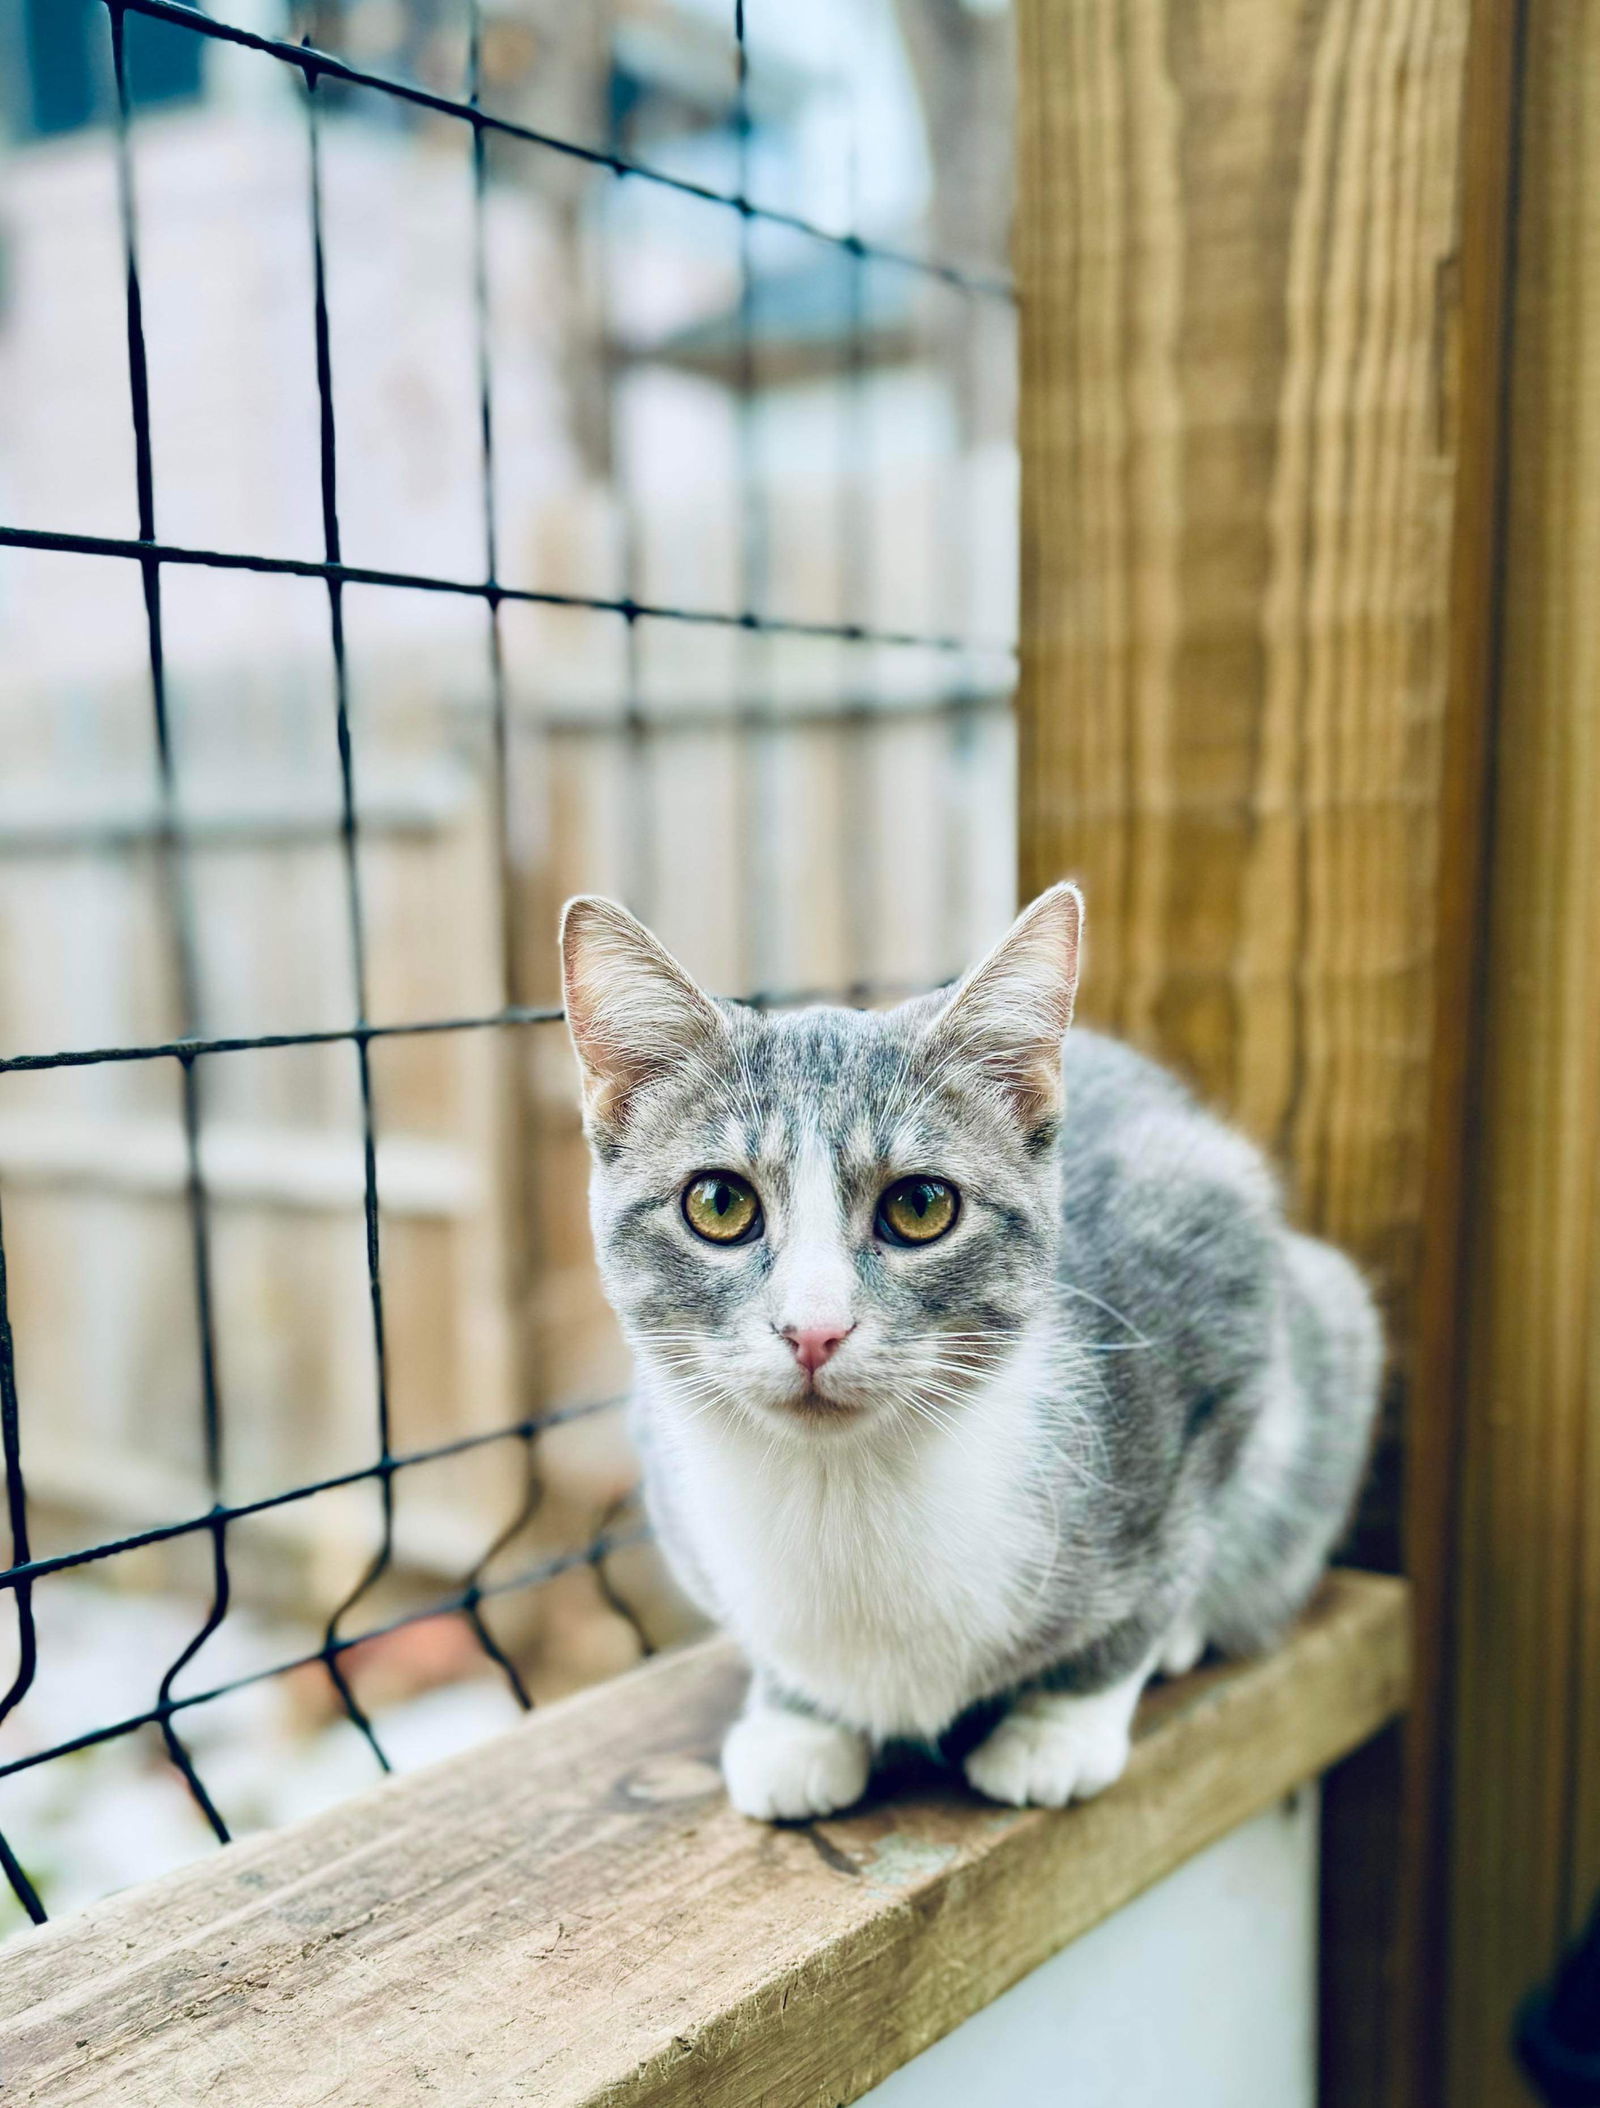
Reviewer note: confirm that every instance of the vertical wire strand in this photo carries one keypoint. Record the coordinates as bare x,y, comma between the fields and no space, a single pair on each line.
518,1203
757,760
600,1551
22,1591
21,1887
350,853
961,717
473,1589
856,597
856,593
638,759
179,917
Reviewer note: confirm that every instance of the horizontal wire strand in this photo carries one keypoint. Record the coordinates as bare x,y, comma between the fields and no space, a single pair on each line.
24,1572
51,541
334,1035
309,59
443,1607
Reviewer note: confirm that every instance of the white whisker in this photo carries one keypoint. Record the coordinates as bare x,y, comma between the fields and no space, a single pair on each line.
1071,1288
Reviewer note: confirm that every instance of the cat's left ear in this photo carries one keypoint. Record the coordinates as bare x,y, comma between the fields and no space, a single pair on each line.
633,1012
1008,1017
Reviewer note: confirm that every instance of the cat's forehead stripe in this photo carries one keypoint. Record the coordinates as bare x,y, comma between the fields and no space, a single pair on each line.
847,1068
734,1140
860,1139
864,1084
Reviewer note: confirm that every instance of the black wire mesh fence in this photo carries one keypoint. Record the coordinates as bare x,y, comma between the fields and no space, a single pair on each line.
968,692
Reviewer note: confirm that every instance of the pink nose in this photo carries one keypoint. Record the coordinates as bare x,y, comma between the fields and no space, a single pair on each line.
815,1344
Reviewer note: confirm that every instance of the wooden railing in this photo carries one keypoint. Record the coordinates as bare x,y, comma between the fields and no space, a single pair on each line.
572,1915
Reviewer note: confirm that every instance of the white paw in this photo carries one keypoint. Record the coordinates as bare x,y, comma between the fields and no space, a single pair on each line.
1053,1749
1182,1647
782,1767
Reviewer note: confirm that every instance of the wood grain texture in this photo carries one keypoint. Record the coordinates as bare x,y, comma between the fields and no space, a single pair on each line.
1526,1780
1433,1406
572,1914
1260,437
1237,252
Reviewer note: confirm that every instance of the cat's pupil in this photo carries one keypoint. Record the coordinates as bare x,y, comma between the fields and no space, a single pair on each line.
722,1198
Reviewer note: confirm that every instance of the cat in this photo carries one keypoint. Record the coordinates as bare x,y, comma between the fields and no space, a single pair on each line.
978,1375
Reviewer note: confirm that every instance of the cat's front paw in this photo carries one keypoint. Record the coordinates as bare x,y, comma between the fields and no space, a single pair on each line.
1051,1749
783,1767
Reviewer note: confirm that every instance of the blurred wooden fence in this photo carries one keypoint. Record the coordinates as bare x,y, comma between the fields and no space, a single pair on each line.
492,1309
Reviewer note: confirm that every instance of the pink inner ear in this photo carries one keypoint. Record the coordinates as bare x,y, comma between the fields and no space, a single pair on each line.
631,1008
1009,1017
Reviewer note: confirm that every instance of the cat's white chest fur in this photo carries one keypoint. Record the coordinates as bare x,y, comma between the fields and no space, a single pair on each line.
881,1583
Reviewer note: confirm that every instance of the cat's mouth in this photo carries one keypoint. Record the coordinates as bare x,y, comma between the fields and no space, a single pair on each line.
820,1400
811,1402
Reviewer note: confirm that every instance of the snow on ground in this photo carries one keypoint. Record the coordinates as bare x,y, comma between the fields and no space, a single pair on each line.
119,1812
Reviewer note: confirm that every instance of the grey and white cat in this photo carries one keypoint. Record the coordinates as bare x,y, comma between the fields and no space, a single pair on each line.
979,1377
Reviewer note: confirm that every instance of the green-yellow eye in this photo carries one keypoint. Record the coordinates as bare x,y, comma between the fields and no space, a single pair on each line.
917,1210
722,1207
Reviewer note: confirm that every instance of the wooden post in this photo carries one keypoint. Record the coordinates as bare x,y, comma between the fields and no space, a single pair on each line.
1259,250
1525,1786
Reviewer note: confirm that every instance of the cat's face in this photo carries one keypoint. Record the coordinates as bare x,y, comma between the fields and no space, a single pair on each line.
828,1219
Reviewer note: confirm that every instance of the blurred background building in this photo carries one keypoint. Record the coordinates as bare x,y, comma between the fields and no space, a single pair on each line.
693,411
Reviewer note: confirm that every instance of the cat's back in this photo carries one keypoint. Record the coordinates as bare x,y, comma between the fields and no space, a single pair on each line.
1108,1084
1172,1229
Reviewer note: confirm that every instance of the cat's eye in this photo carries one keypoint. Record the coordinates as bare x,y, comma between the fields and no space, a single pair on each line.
917,1210
722,1207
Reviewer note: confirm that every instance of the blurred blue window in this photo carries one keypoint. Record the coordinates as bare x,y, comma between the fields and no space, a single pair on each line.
56,56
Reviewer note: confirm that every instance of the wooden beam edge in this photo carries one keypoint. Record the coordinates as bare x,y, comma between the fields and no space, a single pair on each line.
840,1950
1210,1752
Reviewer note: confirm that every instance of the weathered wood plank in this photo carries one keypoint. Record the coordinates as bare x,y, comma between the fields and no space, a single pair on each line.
1525,1786
573,1915
1479,375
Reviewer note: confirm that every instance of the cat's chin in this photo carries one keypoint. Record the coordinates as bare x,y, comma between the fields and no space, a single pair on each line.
812,1408
809,1408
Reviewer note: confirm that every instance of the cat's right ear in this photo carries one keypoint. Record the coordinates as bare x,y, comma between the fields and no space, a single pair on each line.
633,1013
1007,1019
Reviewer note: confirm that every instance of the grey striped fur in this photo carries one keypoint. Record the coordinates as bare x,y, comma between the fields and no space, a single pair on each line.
1120,1412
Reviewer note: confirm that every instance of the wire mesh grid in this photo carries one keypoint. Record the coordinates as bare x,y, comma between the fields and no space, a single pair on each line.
314,72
